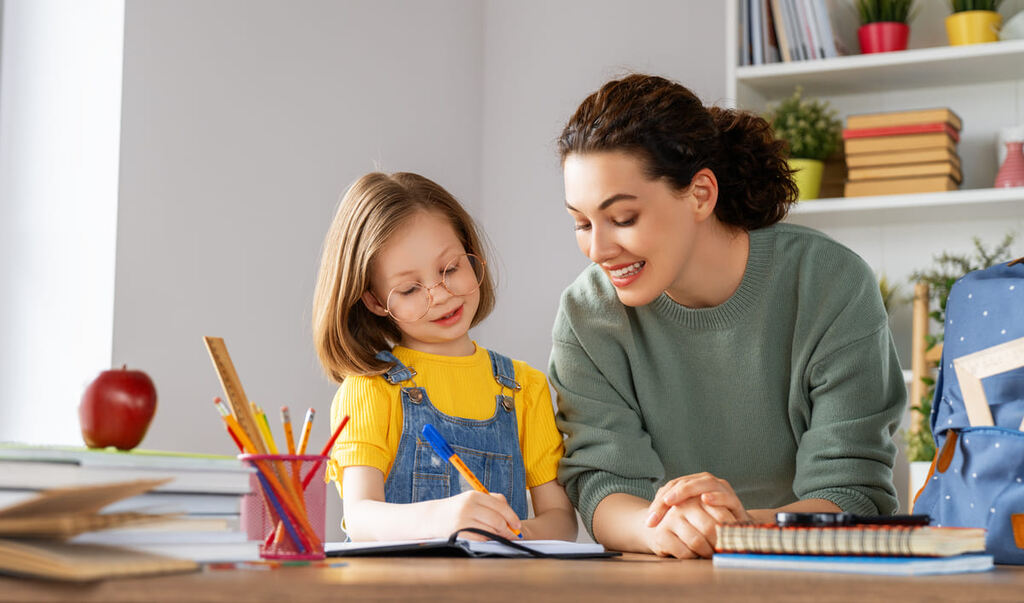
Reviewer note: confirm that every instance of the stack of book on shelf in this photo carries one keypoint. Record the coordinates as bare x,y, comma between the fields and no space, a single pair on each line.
902,152
200,495
787,30
862,549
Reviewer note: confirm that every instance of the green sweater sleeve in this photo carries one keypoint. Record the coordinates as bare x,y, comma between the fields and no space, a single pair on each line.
607,449
857,397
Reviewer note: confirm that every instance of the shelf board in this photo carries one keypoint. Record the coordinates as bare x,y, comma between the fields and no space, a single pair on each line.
919,68
974,204
982,196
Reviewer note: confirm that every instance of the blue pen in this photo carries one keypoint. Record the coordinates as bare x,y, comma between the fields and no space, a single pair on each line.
442,448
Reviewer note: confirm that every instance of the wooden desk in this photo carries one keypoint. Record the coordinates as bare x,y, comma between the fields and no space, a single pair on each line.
631,578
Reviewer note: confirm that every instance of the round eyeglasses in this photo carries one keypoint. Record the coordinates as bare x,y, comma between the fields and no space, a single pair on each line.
410,301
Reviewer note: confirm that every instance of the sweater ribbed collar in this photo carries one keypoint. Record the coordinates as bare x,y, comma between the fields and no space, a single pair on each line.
750,291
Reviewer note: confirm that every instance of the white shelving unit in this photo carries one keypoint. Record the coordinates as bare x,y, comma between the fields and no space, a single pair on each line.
983,83
900,234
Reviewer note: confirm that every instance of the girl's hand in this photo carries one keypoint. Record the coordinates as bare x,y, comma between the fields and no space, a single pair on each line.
473,509
687,530
715,494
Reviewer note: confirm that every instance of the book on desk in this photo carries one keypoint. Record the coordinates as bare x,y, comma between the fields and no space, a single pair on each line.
179,507
864,548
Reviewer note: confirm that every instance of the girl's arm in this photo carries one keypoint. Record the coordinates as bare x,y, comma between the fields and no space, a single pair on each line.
554,517
368,517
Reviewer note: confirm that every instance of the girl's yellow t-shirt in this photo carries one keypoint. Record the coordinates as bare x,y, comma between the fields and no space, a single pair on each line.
460,386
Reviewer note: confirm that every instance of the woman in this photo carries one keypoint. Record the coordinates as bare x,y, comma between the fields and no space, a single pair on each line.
742,365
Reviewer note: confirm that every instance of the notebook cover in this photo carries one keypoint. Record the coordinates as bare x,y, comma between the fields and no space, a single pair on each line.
441,547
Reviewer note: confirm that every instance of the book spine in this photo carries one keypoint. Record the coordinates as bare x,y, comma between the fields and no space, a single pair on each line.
849,133
899,118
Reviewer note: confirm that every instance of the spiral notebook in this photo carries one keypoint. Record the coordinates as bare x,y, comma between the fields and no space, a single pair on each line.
870,540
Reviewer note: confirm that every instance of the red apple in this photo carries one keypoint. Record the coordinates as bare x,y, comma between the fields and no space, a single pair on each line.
116,409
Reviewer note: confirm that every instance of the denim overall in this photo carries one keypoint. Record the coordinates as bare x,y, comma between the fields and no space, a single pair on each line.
490,448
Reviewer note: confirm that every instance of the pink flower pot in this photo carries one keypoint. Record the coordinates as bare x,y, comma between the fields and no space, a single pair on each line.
884,36
1012,171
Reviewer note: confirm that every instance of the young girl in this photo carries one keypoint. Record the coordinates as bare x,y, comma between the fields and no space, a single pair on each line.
402,279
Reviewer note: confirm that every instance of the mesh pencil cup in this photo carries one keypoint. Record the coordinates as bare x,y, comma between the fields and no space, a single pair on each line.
290,526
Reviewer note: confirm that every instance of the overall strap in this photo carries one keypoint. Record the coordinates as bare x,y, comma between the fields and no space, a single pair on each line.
504,372
398,372
505,375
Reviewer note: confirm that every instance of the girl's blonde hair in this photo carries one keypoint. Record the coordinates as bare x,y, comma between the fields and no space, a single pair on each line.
346,334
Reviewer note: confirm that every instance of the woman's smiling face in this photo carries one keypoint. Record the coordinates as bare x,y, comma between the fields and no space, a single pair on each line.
641,232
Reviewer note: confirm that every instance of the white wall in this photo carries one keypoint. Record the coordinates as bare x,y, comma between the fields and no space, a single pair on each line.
542,59
60,99
243,123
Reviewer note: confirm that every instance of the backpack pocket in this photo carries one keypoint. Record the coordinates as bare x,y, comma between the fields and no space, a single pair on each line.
981,487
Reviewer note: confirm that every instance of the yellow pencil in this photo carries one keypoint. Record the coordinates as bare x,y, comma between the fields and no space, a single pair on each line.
264,426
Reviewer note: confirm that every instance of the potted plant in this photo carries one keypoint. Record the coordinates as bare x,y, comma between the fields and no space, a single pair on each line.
883,25
811,128
973,21
947,269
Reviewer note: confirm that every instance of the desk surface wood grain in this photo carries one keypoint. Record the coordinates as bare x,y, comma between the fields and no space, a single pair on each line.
630,578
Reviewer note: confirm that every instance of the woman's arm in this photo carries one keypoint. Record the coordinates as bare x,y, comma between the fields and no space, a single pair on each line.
607,449
368,517
554,518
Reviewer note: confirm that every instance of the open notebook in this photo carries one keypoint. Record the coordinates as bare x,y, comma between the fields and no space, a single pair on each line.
460,547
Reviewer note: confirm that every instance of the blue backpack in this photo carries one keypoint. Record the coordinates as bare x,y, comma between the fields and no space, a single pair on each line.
976,477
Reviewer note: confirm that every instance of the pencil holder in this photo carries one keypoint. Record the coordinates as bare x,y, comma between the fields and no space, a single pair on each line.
285,506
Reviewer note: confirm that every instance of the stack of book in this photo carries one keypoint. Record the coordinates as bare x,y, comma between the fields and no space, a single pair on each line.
902,152
35,533
870,549
202,496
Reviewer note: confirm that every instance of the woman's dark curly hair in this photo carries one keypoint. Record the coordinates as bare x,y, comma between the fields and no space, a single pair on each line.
675,135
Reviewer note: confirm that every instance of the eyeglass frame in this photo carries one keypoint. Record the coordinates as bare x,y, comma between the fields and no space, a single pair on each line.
430,295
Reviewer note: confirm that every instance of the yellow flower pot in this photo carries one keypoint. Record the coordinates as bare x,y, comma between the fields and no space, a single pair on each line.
973,27
807,177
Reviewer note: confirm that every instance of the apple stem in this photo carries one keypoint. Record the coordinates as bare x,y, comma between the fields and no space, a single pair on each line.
124,367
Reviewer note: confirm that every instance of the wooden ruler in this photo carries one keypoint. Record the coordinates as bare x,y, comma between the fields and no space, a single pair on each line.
233,390
972,368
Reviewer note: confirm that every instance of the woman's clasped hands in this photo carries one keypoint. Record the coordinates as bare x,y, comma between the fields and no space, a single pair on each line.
685,511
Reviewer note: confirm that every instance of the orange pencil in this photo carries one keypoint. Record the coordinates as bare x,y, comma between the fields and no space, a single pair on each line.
286,420
307,426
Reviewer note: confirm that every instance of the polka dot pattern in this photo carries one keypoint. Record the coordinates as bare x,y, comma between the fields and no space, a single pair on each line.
983,484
